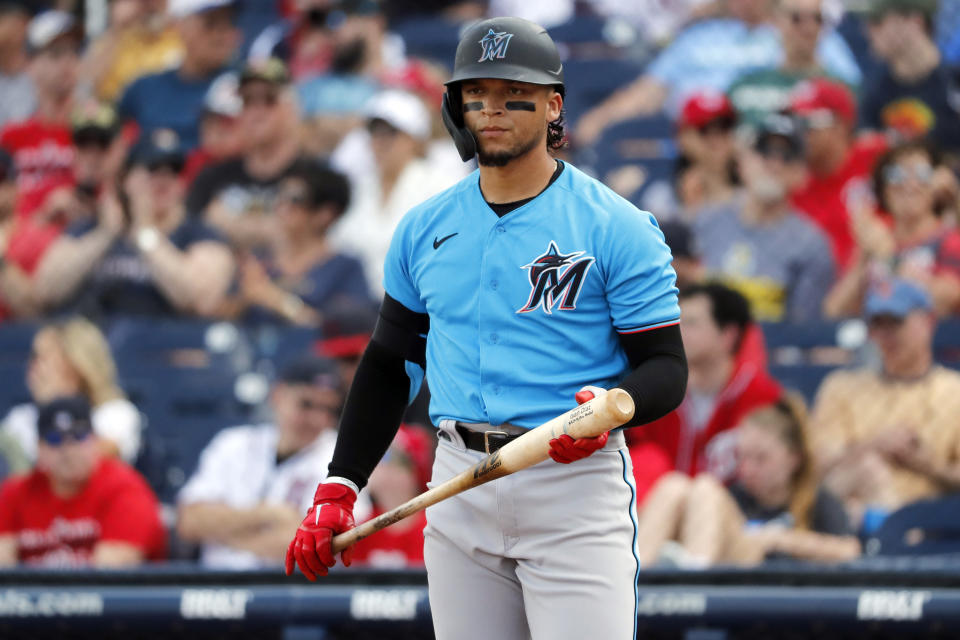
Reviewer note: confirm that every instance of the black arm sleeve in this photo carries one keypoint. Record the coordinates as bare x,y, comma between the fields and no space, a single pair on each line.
378,395
658,380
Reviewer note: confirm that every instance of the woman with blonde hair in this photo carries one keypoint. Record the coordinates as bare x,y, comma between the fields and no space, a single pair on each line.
72,357
773,507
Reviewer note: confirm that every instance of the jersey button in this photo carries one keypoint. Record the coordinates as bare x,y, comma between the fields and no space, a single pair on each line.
496,389
494,284
501,230
494,338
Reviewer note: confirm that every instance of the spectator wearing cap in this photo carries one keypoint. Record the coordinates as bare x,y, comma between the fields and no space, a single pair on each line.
17,99
399,128
221,136
883,439
800,24
143,256
913,242
77,508
173,99
300,276
912,93
41,145
99,154
72,357
838,164
401,475
254,482
758,244
706,172
237,195
710,54
140,38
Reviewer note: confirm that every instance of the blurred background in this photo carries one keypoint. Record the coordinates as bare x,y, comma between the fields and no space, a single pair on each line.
196,198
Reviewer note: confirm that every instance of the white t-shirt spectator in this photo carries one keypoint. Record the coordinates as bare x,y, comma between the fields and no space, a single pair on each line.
239,469
367,226
115,420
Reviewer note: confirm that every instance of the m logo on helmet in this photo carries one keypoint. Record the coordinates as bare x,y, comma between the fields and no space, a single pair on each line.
494,45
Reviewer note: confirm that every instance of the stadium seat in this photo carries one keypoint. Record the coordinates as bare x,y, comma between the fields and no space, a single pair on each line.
802,378
589,81
926,527
633,156
16,341
171,449
429,37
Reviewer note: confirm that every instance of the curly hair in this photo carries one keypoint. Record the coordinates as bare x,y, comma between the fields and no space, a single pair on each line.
556,134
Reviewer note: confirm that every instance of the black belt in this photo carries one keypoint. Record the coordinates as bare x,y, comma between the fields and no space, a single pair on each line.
487,441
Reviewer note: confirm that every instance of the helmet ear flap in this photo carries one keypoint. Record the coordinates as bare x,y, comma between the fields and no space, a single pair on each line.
452,113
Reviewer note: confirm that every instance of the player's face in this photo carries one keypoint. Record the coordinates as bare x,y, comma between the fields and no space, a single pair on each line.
765,464
507,119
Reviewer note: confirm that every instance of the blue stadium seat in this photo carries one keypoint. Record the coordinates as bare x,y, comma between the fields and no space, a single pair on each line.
633,156
589,81
430,37
16,341
925,527
803,378
279,345
171,449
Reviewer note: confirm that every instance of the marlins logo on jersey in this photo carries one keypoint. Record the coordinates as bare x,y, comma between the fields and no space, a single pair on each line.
548,283
494,45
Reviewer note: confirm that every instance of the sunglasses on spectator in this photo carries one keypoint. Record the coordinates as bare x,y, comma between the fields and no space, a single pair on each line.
897,175
56,438
268,99
799,17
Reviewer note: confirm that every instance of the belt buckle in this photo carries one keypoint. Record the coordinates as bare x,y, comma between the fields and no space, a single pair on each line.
486,438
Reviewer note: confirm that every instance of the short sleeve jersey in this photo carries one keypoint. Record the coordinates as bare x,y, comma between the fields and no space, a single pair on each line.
526,308
116,505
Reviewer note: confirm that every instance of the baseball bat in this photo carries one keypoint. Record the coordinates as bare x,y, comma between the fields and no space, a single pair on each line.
588,420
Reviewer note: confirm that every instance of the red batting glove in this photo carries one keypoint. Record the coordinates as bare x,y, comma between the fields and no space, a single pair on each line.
565,449
312,546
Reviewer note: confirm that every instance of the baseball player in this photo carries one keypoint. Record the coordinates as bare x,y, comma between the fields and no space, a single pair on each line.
524,286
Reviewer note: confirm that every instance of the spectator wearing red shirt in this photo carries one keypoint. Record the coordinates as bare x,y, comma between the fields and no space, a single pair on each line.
913,242
76,508
838,165
41,145
401,475
721,389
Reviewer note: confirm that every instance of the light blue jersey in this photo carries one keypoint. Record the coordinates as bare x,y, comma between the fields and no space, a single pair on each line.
526,309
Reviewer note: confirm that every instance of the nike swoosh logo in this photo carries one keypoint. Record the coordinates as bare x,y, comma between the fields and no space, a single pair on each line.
437,243
557,72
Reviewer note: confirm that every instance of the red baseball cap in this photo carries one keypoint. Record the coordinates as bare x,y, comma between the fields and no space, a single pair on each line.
822,94
704,107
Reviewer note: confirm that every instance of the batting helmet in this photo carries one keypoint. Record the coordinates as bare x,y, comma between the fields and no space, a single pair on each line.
502,48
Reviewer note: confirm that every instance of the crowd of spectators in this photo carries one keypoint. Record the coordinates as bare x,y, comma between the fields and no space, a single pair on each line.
216,160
